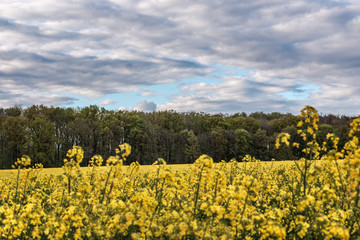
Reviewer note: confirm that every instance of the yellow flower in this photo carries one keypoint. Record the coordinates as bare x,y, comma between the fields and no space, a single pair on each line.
124,149
297,145
310,130
76,152
300,123
303,230
282,138
129,217
183,227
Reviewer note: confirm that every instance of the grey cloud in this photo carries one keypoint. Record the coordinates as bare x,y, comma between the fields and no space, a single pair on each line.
8,99
34,33
101,76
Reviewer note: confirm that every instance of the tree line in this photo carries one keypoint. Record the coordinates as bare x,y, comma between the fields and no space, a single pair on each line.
45,134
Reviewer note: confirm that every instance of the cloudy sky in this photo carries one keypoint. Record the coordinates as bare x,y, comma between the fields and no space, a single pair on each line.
187,55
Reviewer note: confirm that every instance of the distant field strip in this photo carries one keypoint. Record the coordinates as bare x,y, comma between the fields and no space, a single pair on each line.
12,173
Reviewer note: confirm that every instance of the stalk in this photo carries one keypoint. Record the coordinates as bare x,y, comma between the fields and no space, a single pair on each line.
106,183
69,184
17,183
112,185
158,207
215,193
27,176
243,211
197,190
305,180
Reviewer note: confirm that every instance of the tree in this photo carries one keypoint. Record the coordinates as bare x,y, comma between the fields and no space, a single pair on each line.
243,143
261,145
14,111
249,124
14,130
139,139
323,130
170,124
284,152
3,146
61,118
218,144
40,145
280,123
192,147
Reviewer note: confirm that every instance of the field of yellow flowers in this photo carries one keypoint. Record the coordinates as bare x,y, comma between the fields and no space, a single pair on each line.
316,197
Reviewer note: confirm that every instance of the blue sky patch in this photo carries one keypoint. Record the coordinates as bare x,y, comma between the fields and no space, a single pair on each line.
228,71
301,93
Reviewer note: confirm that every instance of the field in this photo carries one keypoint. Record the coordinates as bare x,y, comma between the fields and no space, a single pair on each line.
12,173
317,197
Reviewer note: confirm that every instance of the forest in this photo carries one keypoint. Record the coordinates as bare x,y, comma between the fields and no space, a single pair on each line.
45,134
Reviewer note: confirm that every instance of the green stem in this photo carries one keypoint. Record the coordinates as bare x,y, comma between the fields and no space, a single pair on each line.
357,196
216,183
112,185
243,211
206,226
17,183
304,179
158,207
106,183
343,187
27,176
197,190
69,184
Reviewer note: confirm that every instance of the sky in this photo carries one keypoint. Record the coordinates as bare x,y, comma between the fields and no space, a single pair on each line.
185,55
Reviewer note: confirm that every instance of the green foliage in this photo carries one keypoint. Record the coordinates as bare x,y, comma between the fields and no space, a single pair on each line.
261,145
192,147
40,141
243,143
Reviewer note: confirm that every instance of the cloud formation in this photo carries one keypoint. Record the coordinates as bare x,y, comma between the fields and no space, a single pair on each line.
106,102
51,52
145,106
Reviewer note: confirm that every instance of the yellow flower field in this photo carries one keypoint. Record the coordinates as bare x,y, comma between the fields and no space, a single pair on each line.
12,173
313,198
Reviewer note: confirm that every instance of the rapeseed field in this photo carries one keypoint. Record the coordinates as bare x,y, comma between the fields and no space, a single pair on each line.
317,197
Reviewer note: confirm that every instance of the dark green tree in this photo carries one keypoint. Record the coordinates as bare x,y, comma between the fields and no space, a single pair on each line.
40,145
192,147
218,144
244,143
14,111
15,134
261,145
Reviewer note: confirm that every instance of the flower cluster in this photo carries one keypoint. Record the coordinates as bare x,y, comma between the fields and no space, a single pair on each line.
282,138
22,162
124,150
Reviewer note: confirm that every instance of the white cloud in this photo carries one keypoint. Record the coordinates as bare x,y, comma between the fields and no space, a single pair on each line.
145,106
123,109
106,102
148,93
